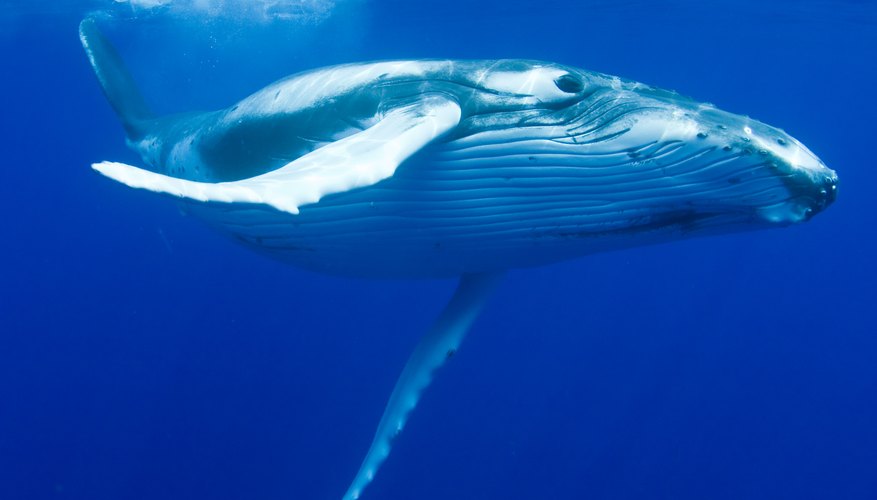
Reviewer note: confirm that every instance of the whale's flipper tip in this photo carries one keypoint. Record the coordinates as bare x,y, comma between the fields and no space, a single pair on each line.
222,192
116,81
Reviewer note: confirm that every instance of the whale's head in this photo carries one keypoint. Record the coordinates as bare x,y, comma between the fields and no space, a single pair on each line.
644,159
751,170
810,186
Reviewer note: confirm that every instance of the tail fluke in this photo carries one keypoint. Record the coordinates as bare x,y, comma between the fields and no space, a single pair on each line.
117,83
433,350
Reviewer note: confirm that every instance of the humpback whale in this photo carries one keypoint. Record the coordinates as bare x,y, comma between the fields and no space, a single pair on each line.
441,168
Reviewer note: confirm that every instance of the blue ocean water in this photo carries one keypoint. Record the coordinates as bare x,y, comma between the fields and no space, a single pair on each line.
143,356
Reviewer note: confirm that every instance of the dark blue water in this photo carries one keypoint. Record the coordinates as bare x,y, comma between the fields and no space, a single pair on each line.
144,357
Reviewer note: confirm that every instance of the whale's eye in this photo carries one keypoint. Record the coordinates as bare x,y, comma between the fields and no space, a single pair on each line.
569,83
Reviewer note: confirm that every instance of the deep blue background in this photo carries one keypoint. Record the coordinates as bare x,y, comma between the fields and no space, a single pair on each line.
144,357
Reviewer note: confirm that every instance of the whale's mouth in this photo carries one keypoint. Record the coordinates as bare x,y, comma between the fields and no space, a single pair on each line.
622,163
681,222
673,224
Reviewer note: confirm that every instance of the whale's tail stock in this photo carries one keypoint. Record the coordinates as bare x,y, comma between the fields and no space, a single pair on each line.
116,81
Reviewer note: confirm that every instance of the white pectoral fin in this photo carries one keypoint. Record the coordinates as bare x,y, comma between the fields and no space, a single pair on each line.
356,161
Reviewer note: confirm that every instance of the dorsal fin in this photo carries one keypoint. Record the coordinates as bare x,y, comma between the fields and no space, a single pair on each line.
115,79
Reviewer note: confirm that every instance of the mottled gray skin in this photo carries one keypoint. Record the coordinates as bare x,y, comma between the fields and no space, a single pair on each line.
232,147
519,182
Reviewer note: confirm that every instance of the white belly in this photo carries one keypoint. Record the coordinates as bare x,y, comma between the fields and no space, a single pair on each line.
475,206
